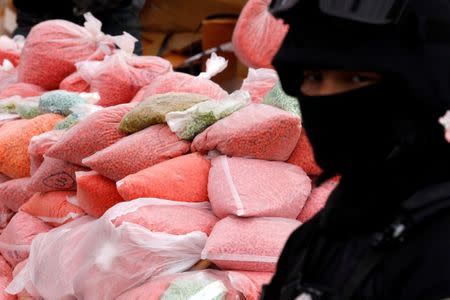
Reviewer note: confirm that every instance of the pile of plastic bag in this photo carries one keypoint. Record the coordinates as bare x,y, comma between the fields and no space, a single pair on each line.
163,186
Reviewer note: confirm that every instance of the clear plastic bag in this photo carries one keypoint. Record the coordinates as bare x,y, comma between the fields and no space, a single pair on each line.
22,295
4,178
121,75
6,117
137,152
445,121
185,83
278,98
303,156
318,199
5,216
191,122
59,102
55,175
154,109
79,112
7,66
52,208
27,108
187,177
259,83
54,47
90,98
201,285
24,90
257,188
214,65
79,81
16,239
8,74
15,137
258,34
251,244
196,286
11,48
5,278
96,132
96,193
93,259
172,217
256,131
39,144
75,83
14,193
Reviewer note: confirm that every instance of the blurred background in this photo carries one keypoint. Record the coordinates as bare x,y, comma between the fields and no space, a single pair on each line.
173,29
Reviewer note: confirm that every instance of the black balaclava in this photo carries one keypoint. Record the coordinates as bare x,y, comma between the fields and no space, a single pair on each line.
383,139
353,130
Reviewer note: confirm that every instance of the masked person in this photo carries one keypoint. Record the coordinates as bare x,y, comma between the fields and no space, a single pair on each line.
372,78
116,16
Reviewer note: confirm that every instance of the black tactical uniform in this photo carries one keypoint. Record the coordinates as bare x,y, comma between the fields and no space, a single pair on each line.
384,233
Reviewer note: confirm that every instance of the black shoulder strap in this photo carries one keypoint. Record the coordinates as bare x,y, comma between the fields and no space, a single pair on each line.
421,207
362,272
425,204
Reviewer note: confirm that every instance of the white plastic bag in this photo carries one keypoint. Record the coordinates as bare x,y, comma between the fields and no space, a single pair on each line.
121,75
214,65
445,121
184,83
189,123
92,259
126,42
26,108
12,44
87,69
10,49
91,98
6,117
7,66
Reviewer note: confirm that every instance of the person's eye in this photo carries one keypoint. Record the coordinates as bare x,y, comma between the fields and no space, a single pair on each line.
361,79
313,77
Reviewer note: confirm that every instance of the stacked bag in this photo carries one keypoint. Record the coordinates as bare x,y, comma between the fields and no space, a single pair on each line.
123,179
